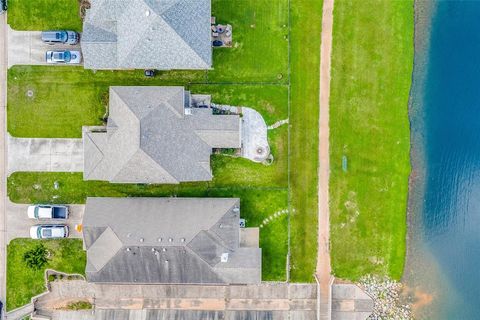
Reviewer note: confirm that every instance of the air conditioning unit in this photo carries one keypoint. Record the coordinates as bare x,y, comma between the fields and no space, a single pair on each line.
224,257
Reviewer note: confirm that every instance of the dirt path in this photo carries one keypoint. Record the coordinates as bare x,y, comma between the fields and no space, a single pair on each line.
323,259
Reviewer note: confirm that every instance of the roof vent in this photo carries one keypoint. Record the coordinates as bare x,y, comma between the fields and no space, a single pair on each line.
147,13
236,209
224,257
159,239
170,239
183,239
128,249
164,249
188,111
141,239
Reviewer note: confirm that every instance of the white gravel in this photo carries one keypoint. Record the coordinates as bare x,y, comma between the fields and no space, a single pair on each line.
386,298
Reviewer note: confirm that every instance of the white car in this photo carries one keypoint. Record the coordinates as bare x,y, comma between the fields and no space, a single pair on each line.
48,231
63,56
47,211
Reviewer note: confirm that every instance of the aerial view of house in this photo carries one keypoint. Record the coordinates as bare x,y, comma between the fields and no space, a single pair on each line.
156,135
239,159
147,34
146,240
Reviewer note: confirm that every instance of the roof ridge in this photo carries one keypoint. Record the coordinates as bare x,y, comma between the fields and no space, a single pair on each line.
173,3
212,268
99,150
185,42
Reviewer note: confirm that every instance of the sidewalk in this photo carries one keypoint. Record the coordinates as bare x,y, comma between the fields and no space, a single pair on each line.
3,195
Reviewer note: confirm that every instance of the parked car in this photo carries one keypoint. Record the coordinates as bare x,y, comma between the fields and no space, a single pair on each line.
64,56
149,73
47,212
3,6
217,43
60,36
48,231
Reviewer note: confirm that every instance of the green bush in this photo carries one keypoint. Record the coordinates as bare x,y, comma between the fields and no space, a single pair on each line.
36,258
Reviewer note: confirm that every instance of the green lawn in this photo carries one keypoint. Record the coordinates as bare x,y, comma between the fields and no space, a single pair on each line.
260,41
304,104
44,14
23,282
371,73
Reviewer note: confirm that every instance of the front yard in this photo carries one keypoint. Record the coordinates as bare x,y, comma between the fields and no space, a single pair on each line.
24,282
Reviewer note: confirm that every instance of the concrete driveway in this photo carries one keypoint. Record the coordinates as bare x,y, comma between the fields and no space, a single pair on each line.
39,154
18,223
27,48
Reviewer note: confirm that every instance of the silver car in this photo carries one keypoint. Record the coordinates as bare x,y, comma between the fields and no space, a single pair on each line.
60,36
63,56
48,231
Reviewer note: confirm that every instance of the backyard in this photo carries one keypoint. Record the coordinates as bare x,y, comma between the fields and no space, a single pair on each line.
371,73
64,99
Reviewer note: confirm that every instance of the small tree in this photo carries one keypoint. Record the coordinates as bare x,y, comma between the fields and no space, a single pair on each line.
37,257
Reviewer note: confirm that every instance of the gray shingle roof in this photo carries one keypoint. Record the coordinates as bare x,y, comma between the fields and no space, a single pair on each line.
167,240
147,34
149,139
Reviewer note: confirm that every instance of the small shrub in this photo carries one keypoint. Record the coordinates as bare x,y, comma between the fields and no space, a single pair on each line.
51,278
37,257
79,305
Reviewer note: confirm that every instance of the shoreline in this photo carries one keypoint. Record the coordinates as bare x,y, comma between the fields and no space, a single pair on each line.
421,278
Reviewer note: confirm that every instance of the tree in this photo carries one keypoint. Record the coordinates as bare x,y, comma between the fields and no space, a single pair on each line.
36,258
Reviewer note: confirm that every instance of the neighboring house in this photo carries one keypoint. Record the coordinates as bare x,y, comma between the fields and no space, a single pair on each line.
169,240
153,135
147,34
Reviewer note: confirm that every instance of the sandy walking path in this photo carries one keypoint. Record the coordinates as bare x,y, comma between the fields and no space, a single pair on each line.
323,259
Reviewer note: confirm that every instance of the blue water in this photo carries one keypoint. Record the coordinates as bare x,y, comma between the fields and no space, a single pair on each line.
446,135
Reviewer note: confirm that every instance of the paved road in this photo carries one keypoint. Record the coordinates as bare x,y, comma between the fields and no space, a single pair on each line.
323,273
3,182
27,48
18,223
38,154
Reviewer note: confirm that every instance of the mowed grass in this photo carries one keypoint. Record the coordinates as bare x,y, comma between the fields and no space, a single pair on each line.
260,41
44,14
371,73
304,107
64,99
23,282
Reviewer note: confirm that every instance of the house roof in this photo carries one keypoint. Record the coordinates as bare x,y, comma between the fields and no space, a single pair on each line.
147,34
167,240
150,139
